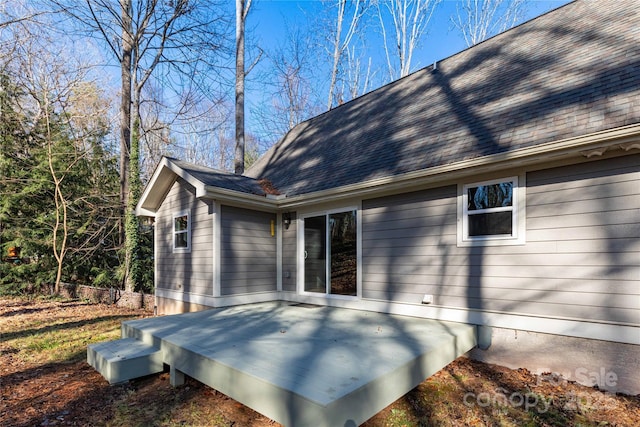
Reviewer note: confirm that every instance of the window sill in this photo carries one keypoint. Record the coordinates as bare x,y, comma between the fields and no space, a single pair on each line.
491,242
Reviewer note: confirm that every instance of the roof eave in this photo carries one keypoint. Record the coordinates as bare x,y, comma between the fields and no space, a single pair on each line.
572,147
160,183
238,198
586,145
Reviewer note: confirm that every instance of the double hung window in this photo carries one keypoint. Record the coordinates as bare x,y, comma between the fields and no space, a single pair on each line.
182,232
490,212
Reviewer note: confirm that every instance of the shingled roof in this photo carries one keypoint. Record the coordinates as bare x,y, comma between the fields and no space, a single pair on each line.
221,179
203,179
573,71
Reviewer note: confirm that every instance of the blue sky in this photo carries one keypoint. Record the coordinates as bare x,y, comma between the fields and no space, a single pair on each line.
268,19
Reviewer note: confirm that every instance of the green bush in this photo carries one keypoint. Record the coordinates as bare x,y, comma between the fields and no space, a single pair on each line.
25,279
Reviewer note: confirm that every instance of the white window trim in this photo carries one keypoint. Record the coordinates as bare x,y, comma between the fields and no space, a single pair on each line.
519,215
186,213
300,243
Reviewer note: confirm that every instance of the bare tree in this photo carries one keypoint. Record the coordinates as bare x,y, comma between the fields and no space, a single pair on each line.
155,142
252,152
14,12
148,37
357,79
46,83
290,95
242,10
478,20
64,114
209,141
409,20
61,224
340,40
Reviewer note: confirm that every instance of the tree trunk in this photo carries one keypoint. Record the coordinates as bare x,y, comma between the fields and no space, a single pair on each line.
125,138
125,110
132,232
239,152
61,222
336,52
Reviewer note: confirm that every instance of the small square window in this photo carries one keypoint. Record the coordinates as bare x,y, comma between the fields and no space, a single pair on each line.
491,212
182,232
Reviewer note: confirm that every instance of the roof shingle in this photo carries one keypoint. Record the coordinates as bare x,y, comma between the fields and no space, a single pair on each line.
571,72
224,180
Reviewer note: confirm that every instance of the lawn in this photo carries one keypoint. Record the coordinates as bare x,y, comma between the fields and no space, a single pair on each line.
45,381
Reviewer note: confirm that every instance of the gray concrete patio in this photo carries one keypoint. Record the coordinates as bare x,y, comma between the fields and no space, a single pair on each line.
298,364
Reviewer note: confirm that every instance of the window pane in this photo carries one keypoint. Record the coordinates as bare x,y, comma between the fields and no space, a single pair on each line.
181,223
315,270
343,249
491,224
490,196
181,240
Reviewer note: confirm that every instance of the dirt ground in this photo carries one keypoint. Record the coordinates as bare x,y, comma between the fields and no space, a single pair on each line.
45,381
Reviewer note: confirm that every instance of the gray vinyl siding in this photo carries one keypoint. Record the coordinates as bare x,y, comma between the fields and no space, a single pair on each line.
289,255
581,258
185,272
247,251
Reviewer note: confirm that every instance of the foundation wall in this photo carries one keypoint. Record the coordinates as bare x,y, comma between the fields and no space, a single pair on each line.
166,306
114,296
613,367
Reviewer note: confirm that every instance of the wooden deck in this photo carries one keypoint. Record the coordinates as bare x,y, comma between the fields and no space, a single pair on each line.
303,365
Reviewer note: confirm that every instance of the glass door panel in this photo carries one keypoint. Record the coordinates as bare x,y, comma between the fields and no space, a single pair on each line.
315,254
343,253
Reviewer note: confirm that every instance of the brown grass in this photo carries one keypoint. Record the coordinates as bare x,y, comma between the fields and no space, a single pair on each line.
44,381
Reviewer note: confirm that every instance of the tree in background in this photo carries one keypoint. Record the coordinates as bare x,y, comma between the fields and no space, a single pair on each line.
242,10
289,91
55,175
20,195
339,41
209,141
409,20
357,78
478,20
240,157
151,39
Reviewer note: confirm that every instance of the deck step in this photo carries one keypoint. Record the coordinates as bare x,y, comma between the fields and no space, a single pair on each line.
124,359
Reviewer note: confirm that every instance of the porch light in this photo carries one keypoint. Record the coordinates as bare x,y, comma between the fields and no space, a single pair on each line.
286,220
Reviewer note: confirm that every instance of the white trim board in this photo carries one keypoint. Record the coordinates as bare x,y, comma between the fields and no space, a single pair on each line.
628,334
217,233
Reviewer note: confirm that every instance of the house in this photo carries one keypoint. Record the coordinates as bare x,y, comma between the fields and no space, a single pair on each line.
499,187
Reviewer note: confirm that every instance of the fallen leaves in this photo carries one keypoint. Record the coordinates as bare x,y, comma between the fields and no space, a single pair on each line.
46,382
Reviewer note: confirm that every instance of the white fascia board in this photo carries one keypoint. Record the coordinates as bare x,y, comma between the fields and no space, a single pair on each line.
160,183
142,212
143,208
196,183
238,198
565,148
166,174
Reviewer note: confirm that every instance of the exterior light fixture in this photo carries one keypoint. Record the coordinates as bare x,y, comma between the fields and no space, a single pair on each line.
286,220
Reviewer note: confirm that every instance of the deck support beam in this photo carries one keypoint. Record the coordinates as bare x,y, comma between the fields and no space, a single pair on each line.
485,334
176,377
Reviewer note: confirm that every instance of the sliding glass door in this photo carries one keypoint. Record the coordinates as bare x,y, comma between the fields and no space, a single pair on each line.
330,253
315,254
